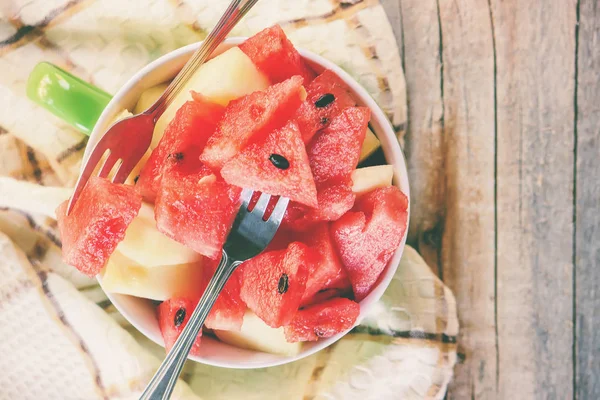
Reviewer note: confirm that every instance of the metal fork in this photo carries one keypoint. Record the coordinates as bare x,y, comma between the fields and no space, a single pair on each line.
250,234
127,140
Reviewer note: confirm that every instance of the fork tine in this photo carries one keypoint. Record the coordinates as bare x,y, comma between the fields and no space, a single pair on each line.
123,170
109,163
261,205
246,196
88,170
279,210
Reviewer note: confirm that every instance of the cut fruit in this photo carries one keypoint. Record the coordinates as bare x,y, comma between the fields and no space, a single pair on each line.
369,146
278,166
334,152
272,52
173,316
251,118
197,210
273,283
145,245
256,335
322,320
181,146
124,276
327,96
368,236
334,201
96,224
226,77
370,178
149,97
228,311
327,271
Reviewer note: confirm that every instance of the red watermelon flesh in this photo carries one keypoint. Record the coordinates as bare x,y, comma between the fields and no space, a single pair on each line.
252,117
272,53
228,311
253,167
273,283
96,224
334,152
327,271
181,145
334,201
326,97
173,316
322,320
197,210
367,236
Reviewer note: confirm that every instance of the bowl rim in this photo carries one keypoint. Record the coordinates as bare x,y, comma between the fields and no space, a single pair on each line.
381,126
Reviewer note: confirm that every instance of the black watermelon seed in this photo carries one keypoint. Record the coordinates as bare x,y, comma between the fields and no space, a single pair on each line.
283,284
177,156
319,332
136,179
179,317
279,161
325,100
324,120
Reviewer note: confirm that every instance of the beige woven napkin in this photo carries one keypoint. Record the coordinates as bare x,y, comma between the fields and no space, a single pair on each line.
60,338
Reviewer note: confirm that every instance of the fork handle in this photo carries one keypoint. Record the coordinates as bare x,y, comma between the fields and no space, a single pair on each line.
236,10
162,384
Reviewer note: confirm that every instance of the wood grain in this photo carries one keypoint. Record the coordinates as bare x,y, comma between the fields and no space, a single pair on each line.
587,200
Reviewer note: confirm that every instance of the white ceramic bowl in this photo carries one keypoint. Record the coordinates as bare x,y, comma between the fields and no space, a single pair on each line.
140,312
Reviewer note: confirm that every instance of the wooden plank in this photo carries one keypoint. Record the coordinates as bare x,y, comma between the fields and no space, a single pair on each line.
587,255
468,250
423,141
535,48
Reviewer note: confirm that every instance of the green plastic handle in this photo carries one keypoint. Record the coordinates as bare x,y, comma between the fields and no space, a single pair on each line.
71,99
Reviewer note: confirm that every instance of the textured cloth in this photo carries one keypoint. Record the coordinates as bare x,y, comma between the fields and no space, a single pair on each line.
60,338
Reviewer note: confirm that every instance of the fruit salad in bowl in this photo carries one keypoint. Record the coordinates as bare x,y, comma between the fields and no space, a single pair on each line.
260,115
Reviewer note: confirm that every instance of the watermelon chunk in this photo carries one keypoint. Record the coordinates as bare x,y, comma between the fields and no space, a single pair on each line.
327,271
250,118
181,145
97,223
322,320
326,97
334,152
273,53
229,309
197,210
273,283
334,201
368,236
173,316
259,167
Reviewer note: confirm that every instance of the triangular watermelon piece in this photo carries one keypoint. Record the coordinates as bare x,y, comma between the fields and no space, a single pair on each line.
334,152
97,223
368,236
272,52
326,97
252,117
197,210
173,316
322,320
181,145
273,283
278,165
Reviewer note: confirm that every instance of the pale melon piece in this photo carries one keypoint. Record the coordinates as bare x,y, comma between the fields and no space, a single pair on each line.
256,335
370,145
149,97
366,179
224,78
124,276
145,245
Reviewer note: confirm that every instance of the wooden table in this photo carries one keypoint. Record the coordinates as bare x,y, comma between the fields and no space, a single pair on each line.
503,145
